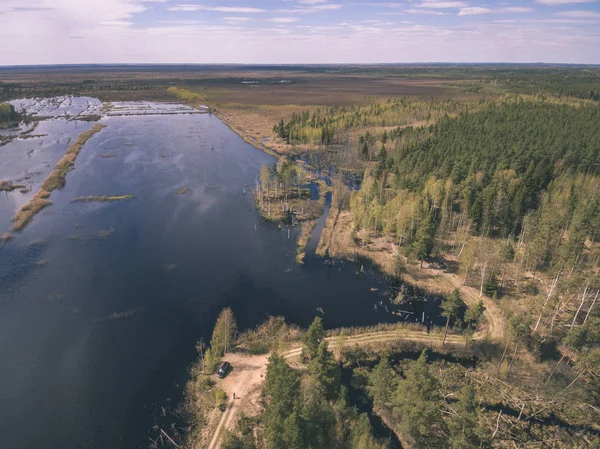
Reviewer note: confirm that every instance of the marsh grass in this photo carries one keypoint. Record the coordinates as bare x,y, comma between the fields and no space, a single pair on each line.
182,191
120,315
57,297
26,213
77,237
9,187
104,234
56,180
305,233
6,237
41,262
102,199
37,243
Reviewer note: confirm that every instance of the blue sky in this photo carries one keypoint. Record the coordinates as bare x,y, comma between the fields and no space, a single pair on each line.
298,31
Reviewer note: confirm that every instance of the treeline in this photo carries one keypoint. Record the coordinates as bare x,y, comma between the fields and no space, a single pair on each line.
577,83
307,411
332,125
89,88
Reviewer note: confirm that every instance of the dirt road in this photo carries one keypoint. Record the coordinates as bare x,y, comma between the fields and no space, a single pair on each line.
249,372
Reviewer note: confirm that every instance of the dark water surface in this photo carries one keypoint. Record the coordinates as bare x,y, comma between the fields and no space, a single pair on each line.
101,303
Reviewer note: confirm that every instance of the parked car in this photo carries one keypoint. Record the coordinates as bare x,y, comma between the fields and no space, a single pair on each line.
224,370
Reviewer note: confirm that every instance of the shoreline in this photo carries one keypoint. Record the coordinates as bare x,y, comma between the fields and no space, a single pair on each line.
306,224
445,283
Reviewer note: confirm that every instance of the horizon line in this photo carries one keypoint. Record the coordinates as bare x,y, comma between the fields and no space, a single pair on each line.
341,64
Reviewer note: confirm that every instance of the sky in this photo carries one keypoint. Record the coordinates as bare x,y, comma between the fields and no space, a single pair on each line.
298,31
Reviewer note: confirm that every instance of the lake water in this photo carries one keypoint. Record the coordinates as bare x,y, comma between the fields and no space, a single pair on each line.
101,303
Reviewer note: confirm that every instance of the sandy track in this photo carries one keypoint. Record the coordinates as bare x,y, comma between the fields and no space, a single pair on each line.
493,314
249,372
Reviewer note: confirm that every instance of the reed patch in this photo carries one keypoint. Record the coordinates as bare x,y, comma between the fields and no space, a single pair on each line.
101,199
56,180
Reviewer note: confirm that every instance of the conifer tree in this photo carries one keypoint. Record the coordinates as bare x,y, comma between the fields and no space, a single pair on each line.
313,338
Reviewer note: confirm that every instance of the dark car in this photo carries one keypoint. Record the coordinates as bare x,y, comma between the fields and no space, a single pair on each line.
224,370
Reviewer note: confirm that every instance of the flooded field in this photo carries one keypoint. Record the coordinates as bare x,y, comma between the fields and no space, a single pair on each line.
101,302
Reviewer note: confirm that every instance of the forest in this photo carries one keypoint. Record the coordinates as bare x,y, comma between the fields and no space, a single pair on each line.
503,195
329,393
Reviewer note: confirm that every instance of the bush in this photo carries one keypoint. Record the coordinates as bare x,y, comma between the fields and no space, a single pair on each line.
258,348
220,398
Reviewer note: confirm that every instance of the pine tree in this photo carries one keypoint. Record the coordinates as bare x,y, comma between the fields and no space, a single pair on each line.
282,388
313,338
463,426
417,405
450,310
325,371
424,242
382,382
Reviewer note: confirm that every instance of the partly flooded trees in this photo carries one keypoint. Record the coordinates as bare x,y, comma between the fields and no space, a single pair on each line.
7,113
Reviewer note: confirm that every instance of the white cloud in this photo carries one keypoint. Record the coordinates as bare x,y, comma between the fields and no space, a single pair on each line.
283,19
426,11
564,2
312,2
312,9
579,14
472,11
476,10
93,31
237,19
442,4
116,23
233,9
516,9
